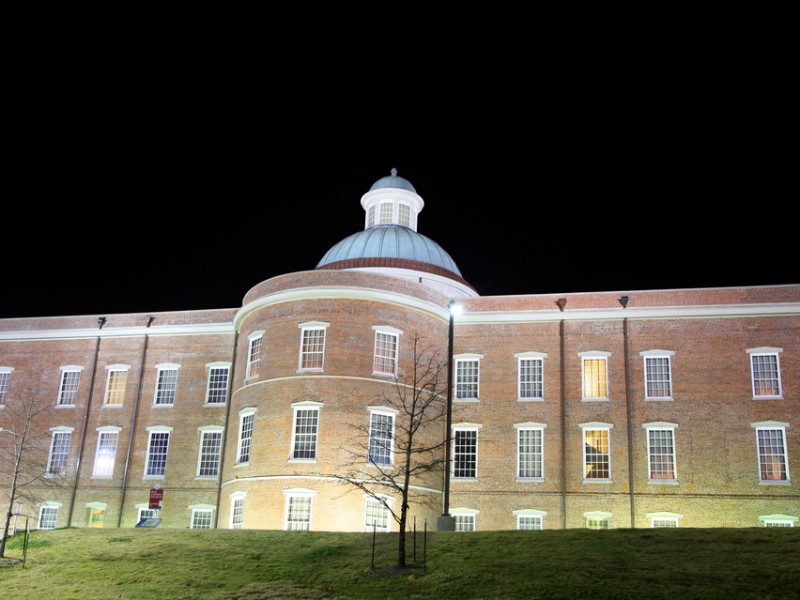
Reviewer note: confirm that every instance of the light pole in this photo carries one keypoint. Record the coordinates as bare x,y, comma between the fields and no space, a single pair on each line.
446,522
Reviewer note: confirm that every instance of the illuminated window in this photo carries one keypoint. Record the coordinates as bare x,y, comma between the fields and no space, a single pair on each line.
97,514
217,387
467,369
5,378
237,510
377,514
595,375
246,420
530,450
530,381
116,381
596,454
210,450
254,355
773,464
387,212
48,516
68,390
766,372
465,452
166,384
385,358
157,447
59,451
298,509
107,440
597,520
381,436
305,430
658,374
312,346
661,451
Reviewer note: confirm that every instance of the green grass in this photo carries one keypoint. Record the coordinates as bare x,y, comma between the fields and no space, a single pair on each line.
141,564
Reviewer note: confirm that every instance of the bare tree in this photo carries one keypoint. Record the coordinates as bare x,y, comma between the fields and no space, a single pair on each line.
24,449
407,450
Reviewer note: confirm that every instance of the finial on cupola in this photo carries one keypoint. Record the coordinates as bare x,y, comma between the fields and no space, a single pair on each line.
394,172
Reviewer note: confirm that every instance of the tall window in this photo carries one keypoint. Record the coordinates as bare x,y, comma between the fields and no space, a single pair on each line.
59,451
210,449
166,384
596,454
385,361
404,214
312,346
595,375
217,387
465,452
530,384
68,390
107,440
5,378
298,509
773,464
467,371
48,516
305,430
371,216
387,212
246,421
116,381
377,514
530,452
381,436
156,462
254,355
661,451
766,372
657,374
237,510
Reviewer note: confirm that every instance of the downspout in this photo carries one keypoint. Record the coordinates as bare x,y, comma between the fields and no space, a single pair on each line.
100,322
228,400
133,425
623,300
562,302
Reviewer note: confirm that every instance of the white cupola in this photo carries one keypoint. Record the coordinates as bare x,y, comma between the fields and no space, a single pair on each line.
392,200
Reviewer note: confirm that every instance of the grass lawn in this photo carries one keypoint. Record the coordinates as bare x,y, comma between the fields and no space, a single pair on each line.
140,564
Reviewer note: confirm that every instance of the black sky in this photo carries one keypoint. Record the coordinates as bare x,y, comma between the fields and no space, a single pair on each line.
195,221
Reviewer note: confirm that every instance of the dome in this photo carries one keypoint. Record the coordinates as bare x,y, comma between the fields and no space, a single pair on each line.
393,181
391,246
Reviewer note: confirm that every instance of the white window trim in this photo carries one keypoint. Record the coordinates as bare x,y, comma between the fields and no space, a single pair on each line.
117,368
202,431
520,356
100,432
664,516
465,427
245,412
232,501
466,357
530,512
778,519
312,325
382,410
165,367
298,493
305,405
668,354
528,427
54,431
661,426
42,507
64,370
205,508
597,515
250,339
5,371
151,430
773,425
595,355
387,330
766,351
389,518
596,426
209,367
467,512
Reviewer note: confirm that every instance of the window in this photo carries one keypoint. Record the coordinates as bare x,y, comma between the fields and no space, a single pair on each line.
115,385
305,430
387,212
464,519
237,510
312,346
773,464
778,520
5,378
595,375
156,463
246,420
254,355
465,451
467,368
59,450
48,516
766,372
166,384
531,376
404,214
664,520
96,514
210,449
530,520
68,390
381,435
597,520
530,451
371,216
377,514
217,388
386,340
596,454
107,439
657,374
661,451
298,509
146,513
202,517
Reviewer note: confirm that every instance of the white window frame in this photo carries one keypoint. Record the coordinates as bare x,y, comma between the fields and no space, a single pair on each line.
112,371
49,507
380,359
151,431
255,351
778,520
462,391
298,493
772,426
307,328
765,351
529,513
607,427
201,511
594,355
236,520
166,391
656,427
207,431
530,426
597,516
212,383
93,506
57,432
143,511
103,467
535,357
666,517
5,383
649,355
296,408
371,505
466,519
67,398
466,427
382,412
243,414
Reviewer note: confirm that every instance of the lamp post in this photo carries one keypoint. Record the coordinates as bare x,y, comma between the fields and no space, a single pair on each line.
447,522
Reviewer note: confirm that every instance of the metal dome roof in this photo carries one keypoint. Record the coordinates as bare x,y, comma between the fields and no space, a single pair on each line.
393,181
390,241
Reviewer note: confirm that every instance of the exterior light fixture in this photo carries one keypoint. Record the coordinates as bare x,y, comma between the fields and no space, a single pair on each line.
447,522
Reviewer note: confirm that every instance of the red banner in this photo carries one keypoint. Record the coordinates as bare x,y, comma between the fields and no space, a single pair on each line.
156,496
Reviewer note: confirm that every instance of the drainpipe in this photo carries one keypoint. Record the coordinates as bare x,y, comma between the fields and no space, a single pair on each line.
225,430
562,302
133,425
100,322
623,300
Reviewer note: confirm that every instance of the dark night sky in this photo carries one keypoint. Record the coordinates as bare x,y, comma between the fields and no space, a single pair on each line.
195,221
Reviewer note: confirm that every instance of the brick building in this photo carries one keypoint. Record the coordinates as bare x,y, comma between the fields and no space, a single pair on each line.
634,408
